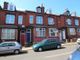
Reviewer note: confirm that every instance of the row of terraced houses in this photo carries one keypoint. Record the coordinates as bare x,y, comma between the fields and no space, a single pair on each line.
28,27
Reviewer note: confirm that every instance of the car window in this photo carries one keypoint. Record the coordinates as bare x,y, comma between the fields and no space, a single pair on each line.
51,40
4,45
44,41
11,44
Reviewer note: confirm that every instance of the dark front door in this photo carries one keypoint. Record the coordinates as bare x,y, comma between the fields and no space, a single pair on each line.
28,39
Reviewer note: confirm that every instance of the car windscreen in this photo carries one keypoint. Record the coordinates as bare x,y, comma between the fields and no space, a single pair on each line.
43,41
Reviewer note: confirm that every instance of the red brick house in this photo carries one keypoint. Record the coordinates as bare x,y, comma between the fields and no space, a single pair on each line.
28,27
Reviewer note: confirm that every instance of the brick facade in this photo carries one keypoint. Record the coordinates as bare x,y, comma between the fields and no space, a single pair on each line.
26,31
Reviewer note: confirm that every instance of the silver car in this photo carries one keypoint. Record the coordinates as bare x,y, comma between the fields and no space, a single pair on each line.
75,55
10,47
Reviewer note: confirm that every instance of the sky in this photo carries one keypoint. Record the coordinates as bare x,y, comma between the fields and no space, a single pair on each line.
57,6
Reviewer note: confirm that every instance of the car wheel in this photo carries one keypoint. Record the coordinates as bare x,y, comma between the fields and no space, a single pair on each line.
58,46
16,51
40,49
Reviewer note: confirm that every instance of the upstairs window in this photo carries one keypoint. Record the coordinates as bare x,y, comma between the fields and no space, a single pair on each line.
20,19
68,21
76,22
39,20
10,19
50,21
31,18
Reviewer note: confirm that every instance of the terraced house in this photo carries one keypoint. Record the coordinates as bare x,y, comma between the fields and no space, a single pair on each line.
28,27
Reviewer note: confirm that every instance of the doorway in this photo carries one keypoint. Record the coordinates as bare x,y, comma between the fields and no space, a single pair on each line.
28,37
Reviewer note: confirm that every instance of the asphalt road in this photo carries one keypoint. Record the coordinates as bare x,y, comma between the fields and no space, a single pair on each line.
53,54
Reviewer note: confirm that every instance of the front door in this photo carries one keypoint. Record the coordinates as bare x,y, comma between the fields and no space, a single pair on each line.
63,35
28,35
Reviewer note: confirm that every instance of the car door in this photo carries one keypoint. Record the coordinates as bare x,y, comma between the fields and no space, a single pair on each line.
51,43
11,47
47,44
54,43
4,48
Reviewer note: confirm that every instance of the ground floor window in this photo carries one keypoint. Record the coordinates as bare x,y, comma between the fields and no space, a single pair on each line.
78,30
40,32
53,32
72,31
8,34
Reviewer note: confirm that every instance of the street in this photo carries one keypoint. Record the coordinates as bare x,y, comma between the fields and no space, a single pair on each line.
53,54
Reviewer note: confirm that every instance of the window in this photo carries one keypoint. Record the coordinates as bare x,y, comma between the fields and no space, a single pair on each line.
8,34
20,19
72,31
39,20
53,32
10,19
68,21
40,32
11,7
78,30
39,10
50,21
4,44
11,44
31,18
76,22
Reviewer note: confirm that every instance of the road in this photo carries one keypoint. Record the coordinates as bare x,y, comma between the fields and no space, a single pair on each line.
53,54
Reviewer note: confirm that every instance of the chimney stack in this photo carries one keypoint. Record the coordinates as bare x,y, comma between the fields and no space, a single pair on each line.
40,9
5,6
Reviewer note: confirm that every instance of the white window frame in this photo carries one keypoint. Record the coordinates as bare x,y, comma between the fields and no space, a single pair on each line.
31,19
40,32
39,10
10,19
20,19
50,21
11,7
72,31
69,22
39,20
53,30
8,34
76,22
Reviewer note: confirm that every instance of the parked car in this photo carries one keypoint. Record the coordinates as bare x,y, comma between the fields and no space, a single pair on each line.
75,55
10,47
47,44
78,40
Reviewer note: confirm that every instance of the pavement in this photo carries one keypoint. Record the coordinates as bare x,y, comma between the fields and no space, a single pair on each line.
64,44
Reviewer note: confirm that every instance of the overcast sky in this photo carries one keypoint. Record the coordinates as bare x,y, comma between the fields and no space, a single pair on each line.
57,6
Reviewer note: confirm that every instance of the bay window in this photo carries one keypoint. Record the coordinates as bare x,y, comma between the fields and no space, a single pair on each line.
53,32
8,34
40,32
72,31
